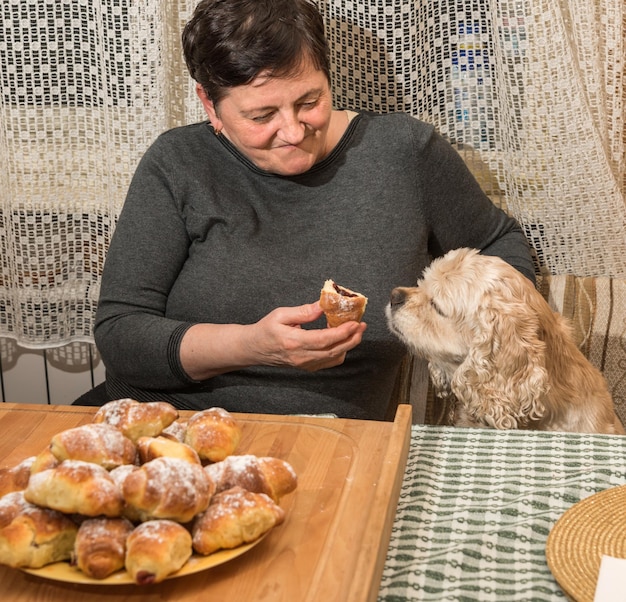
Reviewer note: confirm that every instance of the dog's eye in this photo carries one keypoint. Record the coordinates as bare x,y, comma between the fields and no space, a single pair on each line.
437,308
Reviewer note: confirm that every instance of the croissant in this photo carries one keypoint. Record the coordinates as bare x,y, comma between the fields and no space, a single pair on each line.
100,546
98,443
272,476
44,460
15,478
167,488
31,536
340,304
234,517
137,419
75,487
156,549
213,433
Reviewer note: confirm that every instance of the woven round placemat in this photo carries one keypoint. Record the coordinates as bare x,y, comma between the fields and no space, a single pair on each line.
593,527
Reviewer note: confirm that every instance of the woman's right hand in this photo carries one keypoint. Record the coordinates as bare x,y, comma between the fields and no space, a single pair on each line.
277,339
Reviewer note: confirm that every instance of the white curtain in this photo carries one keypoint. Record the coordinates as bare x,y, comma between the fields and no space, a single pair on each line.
531,93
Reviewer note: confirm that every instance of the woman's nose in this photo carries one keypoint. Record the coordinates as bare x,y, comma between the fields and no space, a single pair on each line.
292,129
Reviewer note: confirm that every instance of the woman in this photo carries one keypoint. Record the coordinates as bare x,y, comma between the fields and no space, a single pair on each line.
230,228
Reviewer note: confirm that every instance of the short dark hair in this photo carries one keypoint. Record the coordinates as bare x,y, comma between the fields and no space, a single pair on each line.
227,43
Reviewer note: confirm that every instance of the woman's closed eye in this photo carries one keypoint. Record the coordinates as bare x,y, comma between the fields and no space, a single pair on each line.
265,117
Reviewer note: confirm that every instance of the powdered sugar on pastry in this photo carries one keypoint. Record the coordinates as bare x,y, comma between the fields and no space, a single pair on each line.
272,476
156,549
234,517
137,419
76,487
213,433
98,443
168,488
31,536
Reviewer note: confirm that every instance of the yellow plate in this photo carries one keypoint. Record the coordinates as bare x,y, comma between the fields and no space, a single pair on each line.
591,528
63,571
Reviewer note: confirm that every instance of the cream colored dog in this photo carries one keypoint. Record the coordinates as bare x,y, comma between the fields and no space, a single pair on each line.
493,343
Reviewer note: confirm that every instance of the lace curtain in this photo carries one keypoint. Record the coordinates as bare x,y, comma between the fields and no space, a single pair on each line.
531,93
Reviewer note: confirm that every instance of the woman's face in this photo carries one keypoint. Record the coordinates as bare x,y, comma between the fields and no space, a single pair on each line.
281,124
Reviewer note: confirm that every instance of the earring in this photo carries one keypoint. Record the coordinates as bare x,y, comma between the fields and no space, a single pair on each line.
218,133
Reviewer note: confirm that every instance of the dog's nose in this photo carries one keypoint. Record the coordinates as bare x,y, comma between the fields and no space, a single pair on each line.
398,297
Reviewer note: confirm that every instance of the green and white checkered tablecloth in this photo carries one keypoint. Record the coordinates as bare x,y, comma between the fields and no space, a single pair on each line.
477,505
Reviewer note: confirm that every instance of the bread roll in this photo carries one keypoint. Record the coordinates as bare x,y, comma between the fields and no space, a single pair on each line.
234,517
100,546
340,304
98,443
213,433
156,549
137,419
76,487
168,488
31,536
15,478
271,476
150,448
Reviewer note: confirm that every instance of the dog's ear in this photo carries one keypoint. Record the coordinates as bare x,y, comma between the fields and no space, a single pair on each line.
439,379
503,379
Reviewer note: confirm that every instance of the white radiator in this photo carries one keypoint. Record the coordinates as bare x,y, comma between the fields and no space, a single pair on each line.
48,376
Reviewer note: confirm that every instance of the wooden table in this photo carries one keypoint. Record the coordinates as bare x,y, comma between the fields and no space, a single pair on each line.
331,547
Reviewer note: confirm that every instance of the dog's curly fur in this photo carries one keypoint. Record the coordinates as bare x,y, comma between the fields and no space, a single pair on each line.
493,343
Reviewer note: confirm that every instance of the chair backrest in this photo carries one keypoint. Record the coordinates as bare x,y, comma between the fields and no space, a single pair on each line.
596,308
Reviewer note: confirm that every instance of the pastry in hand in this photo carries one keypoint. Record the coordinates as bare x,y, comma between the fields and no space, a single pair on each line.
156,549
98,443
137,419
31,536
168,488
272,476
76,487
340,304
213,433
100,546
234,517
150,448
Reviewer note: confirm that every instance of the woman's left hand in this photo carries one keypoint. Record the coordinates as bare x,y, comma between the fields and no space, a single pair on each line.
280,340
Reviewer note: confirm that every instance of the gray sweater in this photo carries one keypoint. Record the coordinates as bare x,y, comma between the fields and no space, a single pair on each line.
206,236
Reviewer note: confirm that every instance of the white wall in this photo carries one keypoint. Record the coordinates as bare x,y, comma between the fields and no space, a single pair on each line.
57,376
